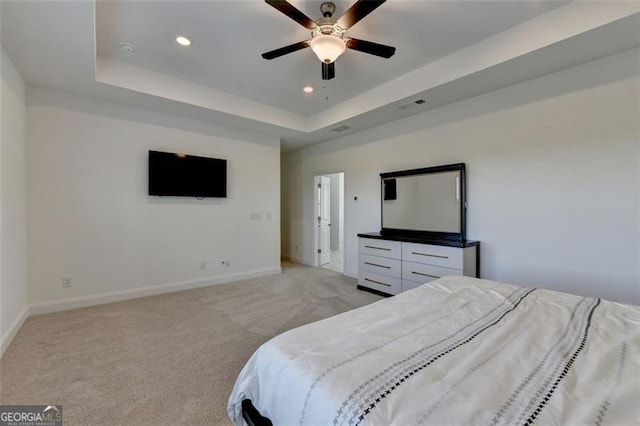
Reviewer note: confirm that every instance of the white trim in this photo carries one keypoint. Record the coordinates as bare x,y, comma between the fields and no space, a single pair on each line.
15,326
316,238
316,229
120,295
351,274
295,259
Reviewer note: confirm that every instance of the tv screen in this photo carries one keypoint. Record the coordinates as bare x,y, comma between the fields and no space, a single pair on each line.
181,175
389,186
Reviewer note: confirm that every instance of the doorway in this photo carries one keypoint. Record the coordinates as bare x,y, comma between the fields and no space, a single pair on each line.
329,224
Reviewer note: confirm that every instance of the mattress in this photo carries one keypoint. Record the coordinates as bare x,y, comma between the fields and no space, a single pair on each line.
458,350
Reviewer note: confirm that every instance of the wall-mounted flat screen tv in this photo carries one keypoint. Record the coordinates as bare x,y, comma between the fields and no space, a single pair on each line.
181,175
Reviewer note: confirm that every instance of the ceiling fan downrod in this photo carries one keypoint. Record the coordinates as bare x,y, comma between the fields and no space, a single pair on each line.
327,9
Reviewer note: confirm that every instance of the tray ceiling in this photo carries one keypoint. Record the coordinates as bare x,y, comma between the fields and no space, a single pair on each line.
446,51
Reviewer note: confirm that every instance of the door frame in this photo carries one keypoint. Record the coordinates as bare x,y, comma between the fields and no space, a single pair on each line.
316,229
324,222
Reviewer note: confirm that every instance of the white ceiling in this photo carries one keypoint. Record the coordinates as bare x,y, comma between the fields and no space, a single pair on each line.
446,51
229,36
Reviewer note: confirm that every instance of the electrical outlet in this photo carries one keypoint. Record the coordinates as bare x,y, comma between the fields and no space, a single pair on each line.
66,282
203,266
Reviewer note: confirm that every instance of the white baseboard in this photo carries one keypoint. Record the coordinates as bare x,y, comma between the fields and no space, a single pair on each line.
15,326
351,274
297,259
134,293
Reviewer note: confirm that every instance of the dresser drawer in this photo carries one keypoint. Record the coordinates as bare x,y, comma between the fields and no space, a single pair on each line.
422,273
380,265
383,283
383,248
449,257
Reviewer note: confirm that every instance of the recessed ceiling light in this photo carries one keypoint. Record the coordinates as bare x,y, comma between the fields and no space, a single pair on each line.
183,41
308,89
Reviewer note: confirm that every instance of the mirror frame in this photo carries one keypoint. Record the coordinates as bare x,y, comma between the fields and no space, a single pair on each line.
425,234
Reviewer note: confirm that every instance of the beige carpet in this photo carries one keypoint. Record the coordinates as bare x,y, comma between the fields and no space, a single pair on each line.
167,359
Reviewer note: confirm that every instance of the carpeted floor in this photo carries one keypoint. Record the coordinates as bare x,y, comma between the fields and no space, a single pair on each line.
167,359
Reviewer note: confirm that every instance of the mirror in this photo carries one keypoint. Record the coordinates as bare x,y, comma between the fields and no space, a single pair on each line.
427,203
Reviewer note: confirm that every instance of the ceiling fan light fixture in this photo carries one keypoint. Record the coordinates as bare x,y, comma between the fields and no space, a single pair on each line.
328,47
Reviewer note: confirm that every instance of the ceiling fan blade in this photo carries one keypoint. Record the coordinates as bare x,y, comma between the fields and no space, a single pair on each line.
359,10
285,50
328,71
371,47
293,13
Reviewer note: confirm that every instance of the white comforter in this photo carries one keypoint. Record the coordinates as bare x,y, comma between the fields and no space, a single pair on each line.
456,351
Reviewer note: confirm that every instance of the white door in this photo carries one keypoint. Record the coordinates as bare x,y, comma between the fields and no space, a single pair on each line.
324,220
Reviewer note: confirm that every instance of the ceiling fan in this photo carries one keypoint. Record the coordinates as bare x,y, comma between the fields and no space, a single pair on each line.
328,39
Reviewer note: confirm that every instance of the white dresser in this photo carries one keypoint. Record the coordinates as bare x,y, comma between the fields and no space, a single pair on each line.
391,266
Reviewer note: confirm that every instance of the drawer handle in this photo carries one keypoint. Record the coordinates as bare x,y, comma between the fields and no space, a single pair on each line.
430,255
379,266
378,248
425,275
377,282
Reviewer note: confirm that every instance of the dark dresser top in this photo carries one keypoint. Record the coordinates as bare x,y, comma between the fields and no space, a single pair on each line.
450,243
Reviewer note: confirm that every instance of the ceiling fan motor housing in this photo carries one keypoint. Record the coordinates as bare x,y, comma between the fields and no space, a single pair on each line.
327,25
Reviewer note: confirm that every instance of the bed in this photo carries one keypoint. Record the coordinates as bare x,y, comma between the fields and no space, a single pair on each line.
458,350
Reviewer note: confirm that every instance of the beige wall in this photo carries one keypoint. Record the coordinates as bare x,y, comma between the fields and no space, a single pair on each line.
90,217
13,226
552,173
